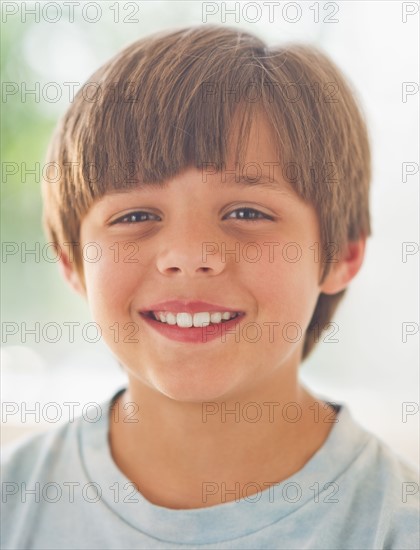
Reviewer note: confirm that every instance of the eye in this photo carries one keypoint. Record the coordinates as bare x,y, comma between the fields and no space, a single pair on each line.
250,215
134,217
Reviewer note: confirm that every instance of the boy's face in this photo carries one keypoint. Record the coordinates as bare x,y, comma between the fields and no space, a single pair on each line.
274,281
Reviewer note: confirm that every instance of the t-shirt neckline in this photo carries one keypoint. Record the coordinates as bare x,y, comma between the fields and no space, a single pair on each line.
222,522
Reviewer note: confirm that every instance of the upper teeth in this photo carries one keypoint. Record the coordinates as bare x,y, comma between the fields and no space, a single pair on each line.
186,320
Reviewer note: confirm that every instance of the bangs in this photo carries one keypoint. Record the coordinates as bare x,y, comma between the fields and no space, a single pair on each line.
155,110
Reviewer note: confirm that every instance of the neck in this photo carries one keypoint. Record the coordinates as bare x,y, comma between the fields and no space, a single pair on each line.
181,455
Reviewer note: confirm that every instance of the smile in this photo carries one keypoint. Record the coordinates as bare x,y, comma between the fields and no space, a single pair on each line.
187,320
199,327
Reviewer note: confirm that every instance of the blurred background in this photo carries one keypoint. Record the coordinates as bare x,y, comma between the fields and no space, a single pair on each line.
47,54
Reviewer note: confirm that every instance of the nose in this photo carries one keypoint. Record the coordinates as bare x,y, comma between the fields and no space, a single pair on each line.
191,250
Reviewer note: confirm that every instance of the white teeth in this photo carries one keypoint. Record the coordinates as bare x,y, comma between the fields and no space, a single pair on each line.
215,317
186,320
201,319
170,319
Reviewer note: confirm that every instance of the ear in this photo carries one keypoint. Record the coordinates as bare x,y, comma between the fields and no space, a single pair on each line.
345,268
70,273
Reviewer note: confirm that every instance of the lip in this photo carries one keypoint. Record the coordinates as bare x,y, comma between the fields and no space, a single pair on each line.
195,306
193,335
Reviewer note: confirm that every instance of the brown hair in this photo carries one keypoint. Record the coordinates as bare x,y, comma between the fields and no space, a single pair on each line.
167,102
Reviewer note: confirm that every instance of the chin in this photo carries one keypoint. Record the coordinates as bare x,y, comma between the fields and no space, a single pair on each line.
197,387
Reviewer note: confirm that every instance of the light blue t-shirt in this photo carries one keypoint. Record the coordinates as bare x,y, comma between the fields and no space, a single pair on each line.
62,490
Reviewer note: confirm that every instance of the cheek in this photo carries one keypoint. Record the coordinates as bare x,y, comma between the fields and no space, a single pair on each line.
111,283
285,284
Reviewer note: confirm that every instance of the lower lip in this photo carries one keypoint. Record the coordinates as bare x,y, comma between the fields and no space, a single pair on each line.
194,335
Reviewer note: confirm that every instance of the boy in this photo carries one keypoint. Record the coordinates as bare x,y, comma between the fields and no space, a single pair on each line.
224,186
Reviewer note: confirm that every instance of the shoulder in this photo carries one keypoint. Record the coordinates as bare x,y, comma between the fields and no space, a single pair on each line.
400,498
48,468
57,452
30,467
54,450
384,489
37,453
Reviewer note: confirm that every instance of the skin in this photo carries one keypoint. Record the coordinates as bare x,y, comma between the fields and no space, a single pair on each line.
171,451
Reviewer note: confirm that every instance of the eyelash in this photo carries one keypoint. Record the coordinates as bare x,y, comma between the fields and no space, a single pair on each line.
133,214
